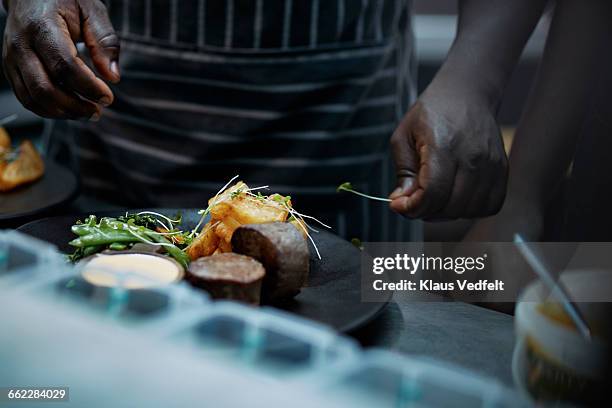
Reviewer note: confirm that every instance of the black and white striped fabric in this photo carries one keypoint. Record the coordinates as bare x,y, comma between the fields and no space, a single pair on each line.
301,95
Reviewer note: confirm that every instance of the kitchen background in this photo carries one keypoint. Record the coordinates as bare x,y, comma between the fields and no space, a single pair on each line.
434,25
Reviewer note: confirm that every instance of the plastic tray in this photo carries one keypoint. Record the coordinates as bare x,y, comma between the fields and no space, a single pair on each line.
262,339
254,342
386,379
22,257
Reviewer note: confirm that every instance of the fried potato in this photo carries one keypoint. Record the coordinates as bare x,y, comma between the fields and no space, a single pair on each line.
221,205
204,245
26,168
225,246
251,210
5,140
225,229
230,210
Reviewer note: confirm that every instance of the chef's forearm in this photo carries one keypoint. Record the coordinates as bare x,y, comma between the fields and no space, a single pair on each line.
491,35
546,137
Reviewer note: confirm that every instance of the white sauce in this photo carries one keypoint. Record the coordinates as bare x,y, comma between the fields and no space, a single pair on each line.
131,271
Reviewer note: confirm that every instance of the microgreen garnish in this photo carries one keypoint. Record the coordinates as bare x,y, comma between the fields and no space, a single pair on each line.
255,195
121,232
348,187
236,193
206,211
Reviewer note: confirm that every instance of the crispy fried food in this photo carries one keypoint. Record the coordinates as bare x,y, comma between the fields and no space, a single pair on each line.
205,244
5,140
26,168
236,206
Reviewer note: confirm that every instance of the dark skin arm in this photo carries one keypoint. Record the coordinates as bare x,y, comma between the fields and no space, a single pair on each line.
448,150
547,134
41,62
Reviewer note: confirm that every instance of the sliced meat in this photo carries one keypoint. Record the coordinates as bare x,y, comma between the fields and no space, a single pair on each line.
228,276
282,250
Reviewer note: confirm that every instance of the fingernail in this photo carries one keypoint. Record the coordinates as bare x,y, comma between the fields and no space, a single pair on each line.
104,101
95,117
407,184
114,67
396,193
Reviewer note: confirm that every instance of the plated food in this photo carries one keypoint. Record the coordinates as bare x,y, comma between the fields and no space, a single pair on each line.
332,295
247,246
228,276
283,252
19,166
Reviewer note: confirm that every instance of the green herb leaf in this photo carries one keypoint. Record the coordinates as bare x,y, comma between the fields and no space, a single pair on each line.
345,187
348,187
357,242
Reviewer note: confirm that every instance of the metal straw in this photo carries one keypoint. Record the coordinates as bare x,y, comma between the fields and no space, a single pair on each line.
555,286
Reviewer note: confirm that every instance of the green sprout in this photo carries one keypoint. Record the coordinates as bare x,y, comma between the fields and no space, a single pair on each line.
236,193
348,187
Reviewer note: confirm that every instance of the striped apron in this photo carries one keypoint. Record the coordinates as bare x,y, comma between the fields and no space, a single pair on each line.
301,95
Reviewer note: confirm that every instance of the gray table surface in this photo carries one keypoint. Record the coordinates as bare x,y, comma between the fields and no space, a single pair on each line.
455,332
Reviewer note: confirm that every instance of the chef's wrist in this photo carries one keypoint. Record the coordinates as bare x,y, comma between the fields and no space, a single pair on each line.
452,87
478,81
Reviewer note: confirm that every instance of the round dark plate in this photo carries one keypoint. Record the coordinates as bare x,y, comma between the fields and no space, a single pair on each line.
333,293
56,187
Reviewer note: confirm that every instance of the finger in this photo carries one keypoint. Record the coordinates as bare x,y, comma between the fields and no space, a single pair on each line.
404,205
436,176
101,40
10,52
406,164
57,102
59,56
22,94
464,187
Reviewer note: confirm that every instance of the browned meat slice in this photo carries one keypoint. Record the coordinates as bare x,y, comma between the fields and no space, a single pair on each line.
282,250
228,276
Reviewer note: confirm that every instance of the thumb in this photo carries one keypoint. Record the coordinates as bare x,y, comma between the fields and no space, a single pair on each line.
101,39
406,163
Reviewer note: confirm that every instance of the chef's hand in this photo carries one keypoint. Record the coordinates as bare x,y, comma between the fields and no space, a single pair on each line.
449,157
40,57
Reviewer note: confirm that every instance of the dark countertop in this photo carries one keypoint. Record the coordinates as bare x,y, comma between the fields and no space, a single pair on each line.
467,335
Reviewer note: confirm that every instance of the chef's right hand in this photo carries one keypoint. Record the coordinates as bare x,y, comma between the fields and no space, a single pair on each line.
40,57
449,156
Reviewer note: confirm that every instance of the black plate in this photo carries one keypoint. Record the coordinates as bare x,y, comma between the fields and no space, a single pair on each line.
56,187
333,294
